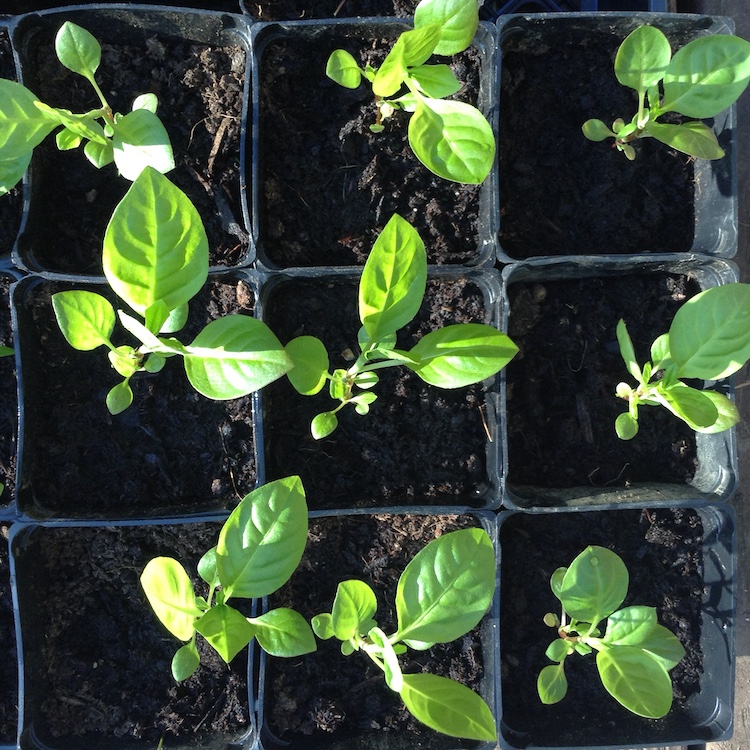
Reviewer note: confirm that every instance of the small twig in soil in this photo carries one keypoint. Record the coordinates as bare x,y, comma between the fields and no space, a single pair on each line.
484,423
583,357
217,144
338,8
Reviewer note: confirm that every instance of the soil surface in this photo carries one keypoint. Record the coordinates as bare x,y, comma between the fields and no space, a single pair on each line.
97,659
8,398
418,444
662,552
561,386
328,185
291,10
562,194
8,673
200,103
328,700
172,451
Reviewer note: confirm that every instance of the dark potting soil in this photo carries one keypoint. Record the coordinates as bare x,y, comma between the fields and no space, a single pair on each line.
11,204
9,670
200,103
328,185
326,700
293,10
561,386
97,661
8,399
171,451
417,444
662,552
562,194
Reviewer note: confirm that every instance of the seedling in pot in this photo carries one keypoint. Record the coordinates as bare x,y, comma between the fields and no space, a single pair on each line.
391,290
442,594
634,653
451,138
259,547
703,78
709,339
156,259
133,140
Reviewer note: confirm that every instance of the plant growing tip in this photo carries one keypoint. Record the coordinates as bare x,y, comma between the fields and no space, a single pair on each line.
391,290
634,653
442,594
133,141
709,339
451,138
703,78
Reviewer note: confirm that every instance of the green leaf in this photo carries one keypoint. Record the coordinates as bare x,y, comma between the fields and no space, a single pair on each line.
694,138
176,319
284,632
86,319
22,124
412,48
447,587
155,246
706,76
310,364
630,625
322,626
457,19
84,125
207,567
461,354
140,140
233,356
185,662
594,585
262,541
636,680
342,68
453,140
78,50
626,426
628,352
556,580
436,81
552,684
355,603
226,629
728,414
391,668
146,101
12,172
67,140
324,424
596,130
710,335
393,280
691,405
119,398
557,650
99,154
169,591
642,58
660,351
448,707
664,646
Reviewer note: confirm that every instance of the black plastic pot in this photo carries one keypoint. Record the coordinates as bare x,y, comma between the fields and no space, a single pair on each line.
9,405
9,670
495,8
695,598
570,407
129,699
146,49
418,444
562,195
173,452
326,207
359,691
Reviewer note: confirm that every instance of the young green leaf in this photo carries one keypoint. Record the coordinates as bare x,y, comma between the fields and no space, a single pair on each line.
552,684
461,354
691,405
355,604
78,50
226,629
727,413
119,398
458,21
86,319
448,707
630,625
324,424
694,138
185,661
262,541
626,426
12,171
642,58
436,81
391,668
310,358
342,68
284,632
23,125
99,154
393,280
155,246
170,593
558,650
664,646
207,567
596,130
411,48
453,140
140,141
446,588
627,351
233,356
322,626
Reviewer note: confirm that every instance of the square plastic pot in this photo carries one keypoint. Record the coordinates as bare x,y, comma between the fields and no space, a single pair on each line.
560,194
79,605
695,597
325,206
196,62
9,407
418,444
342,546
9,669
575,400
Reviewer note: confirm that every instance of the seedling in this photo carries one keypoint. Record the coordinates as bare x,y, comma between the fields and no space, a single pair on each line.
451,138
391,290
634,653
709,339
156,259
703,78
442,594
133,141
259,547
